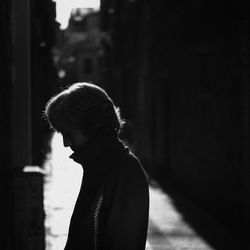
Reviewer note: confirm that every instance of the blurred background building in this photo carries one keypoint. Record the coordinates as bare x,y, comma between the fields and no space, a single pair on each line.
78,57
179,72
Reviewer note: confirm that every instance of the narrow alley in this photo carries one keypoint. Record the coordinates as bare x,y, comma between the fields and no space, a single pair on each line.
178,73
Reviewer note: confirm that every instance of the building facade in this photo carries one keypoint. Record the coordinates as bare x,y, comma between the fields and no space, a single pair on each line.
27,81
179,72
80,55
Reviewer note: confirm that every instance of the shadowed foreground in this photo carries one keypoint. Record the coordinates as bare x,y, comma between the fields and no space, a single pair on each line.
167,230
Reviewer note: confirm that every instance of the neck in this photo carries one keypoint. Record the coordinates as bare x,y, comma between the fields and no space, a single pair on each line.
91,151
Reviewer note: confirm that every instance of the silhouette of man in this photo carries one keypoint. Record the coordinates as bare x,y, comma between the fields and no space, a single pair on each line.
111,211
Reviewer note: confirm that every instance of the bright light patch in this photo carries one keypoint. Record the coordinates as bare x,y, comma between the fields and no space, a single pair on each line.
61,73
64,7
61,188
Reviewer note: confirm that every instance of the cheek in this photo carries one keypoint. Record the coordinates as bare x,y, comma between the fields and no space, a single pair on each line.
66,140
80,139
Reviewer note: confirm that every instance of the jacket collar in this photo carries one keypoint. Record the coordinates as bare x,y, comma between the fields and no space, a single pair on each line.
96,150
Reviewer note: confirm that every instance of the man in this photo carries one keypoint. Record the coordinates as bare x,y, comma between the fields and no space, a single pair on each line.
111,211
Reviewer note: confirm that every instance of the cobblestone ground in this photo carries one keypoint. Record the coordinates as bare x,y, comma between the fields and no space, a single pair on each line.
167,229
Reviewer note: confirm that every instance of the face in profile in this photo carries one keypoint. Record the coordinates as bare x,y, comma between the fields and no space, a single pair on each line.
73,138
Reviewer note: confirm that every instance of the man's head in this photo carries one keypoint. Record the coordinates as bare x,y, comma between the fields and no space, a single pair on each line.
86,108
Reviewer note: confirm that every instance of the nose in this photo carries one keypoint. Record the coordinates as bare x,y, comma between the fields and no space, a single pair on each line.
66,141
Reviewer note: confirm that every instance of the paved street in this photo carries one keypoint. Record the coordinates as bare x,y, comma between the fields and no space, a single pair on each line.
168,229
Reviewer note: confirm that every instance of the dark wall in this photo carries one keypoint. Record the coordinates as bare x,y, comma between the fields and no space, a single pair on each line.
5,133
20,225
43,73
207,111
179,73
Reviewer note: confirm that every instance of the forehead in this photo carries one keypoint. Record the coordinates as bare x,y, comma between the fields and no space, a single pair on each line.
59,120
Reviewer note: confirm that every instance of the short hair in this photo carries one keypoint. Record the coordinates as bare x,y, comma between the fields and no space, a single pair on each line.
86,107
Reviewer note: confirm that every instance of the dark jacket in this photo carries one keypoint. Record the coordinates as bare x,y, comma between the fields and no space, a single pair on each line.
111,212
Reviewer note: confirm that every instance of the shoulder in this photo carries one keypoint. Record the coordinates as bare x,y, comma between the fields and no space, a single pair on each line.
128,171
128,163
